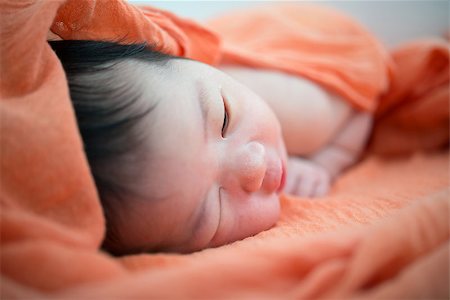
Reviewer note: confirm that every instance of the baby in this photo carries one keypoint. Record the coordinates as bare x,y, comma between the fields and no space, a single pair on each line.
186,156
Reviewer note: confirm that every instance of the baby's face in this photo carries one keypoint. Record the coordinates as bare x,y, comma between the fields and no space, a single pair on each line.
208,182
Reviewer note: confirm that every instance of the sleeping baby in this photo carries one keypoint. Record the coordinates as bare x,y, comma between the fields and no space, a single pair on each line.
186,156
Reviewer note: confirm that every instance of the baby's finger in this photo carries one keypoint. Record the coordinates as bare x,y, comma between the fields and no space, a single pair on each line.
290,185
322,188
305,186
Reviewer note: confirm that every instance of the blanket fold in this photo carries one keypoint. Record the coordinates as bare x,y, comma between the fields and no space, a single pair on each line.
311,41
413,115
121,22
382,232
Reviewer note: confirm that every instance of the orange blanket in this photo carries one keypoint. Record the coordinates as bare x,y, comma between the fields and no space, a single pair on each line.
382,232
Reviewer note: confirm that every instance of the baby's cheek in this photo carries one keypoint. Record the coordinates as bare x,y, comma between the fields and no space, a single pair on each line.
246,216
260,214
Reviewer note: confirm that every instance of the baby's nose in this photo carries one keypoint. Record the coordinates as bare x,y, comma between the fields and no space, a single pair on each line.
250,166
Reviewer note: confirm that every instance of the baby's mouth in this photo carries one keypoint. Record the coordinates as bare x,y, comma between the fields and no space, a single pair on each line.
274,177
283,178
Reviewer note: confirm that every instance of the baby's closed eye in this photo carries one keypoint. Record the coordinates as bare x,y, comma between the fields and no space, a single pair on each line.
226,117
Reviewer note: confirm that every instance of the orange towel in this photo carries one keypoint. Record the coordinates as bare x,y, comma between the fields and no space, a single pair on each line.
381,233
414,114
310,41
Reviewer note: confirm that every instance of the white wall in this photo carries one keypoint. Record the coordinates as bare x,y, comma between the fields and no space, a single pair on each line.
391,21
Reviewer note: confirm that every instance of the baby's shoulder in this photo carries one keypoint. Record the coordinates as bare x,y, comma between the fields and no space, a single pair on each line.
300,105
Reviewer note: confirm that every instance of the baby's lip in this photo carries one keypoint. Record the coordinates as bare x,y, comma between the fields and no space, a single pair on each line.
283,178
274,177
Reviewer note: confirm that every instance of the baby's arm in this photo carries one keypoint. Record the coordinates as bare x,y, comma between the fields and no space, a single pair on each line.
345,149
309,116
312,176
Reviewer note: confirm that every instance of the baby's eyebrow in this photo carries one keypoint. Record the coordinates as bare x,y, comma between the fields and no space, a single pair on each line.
202,98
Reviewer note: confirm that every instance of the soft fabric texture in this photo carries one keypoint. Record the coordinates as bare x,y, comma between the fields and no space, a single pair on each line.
311,41
382,232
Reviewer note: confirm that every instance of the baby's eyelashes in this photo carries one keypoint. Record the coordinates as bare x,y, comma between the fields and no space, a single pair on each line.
226,118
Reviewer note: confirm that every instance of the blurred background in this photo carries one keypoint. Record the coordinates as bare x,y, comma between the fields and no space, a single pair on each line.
391,21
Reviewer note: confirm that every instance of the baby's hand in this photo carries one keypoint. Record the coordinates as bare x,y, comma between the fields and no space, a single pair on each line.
306,178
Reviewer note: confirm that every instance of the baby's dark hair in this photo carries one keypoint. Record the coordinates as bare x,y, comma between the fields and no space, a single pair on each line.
104,98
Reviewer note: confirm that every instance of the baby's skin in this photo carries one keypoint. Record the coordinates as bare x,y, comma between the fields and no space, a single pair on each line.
214,159
322,132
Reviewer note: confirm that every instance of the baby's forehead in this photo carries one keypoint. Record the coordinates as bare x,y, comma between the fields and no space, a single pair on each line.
171,85
174,128
187,103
